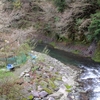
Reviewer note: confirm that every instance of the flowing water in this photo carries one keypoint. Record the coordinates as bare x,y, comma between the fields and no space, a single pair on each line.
91,75
91,80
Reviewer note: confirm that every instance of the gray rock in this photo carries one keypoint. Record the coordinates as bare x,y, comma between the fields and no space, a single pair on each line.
51,68
64,79
27,79
43,94
27,70
40,88
51,98
43,84
45,75
37,99
35,93
58,83
63,87
56,95
38,72
65,98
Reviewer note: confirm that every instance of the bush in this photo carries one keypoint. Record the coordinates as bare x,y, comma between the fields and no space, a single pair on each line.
98,2
60,4
10,91
94,28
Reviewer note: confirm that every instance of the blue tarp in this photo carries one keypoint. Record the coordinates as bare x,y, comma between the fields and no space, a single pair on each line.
10,66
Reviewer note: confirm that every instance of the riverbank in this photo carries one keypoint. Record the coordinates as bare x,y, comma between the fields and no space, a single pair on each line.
46,78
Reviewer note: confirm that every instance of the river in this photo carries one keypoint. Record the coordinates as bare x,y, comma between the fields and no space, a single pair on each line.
90,77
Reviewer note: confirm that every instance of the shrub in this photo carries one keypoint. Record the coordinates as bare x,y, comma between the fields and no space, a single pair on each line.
60,4
10,91
17,3
94,28
98,2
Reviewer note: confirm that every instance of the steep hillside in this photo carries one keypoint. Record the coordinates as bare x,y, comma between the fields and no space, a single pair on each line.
67,21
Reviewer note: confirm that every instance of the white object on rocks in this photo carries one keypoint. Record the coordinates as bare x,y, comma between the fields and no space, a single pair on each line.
22,74
27,75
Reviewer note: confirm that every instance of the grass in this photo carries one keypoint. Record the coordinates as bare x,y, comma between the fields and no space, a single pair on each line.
68,88
75,51
10,91
96,56
53,44
6,74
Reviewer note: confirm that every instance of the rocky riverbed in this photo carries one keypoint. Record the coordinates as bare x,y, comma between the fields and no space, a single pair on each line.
46,78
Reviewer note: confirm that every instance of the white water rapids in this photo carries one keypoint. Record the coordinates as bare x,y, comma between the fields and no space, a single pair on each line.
91,80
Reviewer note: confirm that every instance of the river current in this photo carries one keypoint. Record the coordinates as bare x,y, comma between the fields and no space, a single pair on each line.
91,80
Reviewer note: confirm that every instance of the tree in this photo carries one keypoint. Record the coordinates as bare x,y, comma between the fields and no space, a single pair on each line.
94,28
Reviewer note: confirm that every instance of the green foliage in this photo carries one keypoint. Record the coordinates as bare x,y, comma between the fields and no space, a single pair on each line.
10,91
68,88
94,28
17,4
35,68
2,64
96,56
46,50
79,21
98,2
51,84
60,4
75,51
4,74
49,91
30,97
53,44
24,48
57,19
